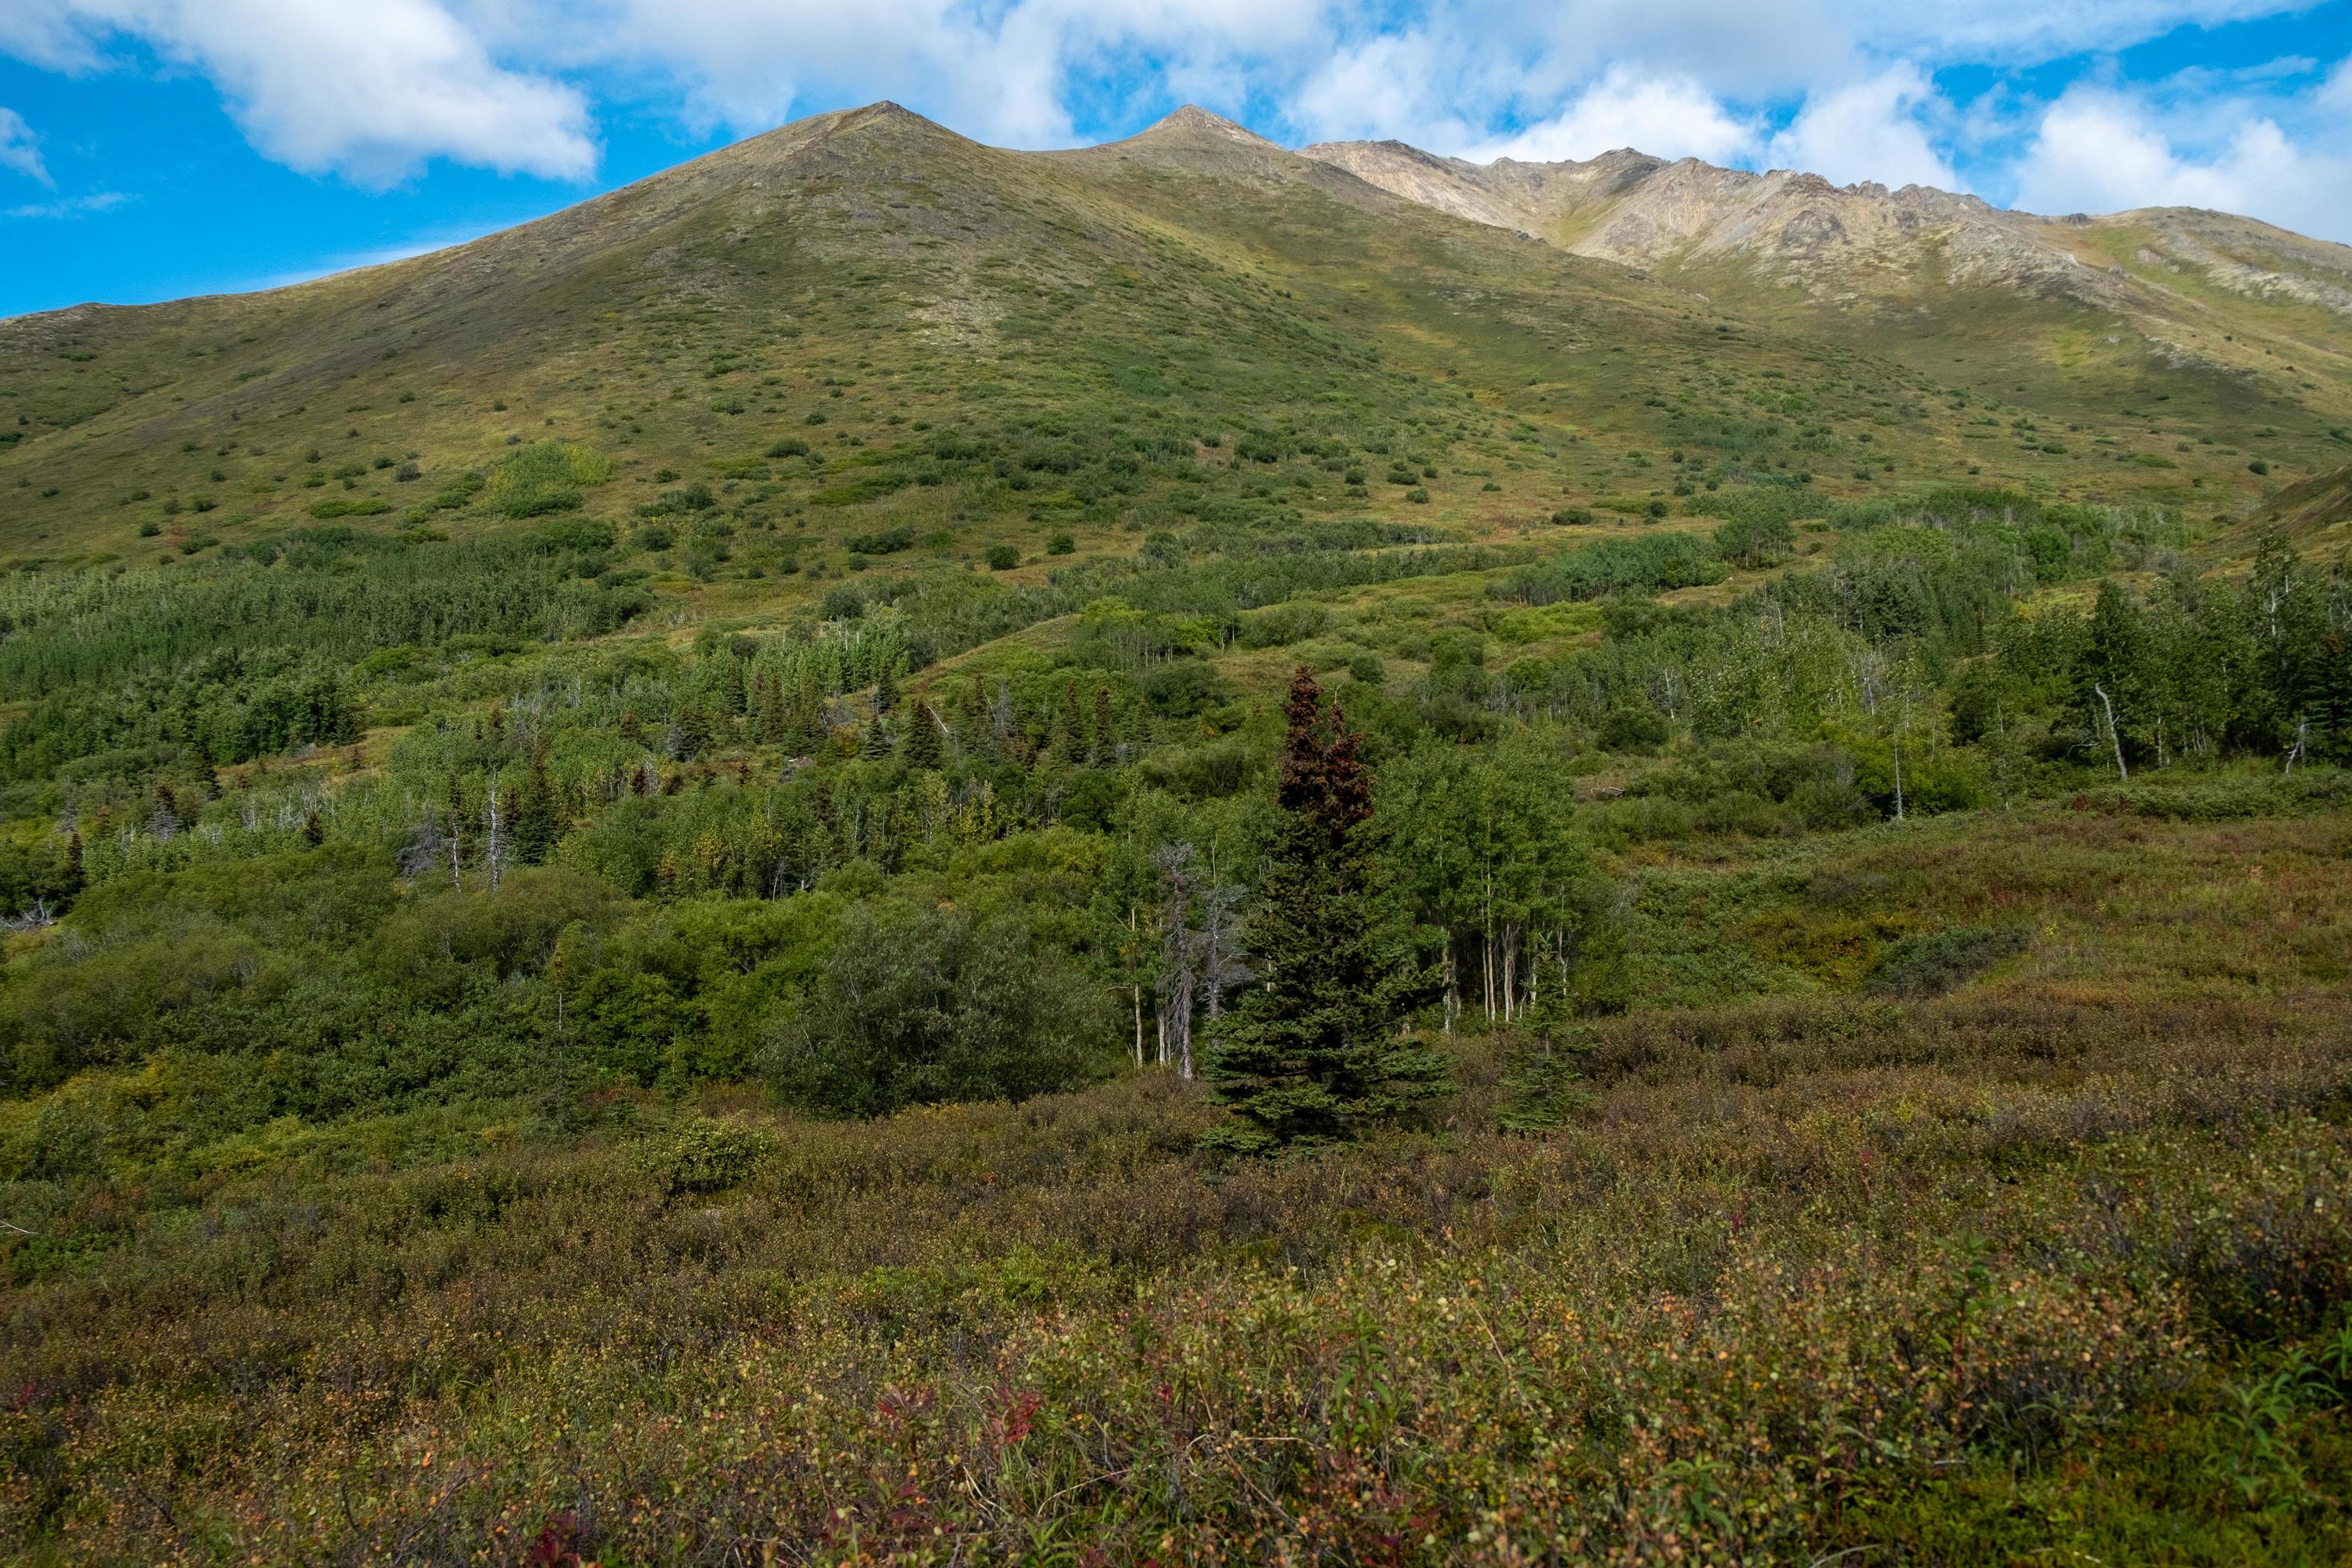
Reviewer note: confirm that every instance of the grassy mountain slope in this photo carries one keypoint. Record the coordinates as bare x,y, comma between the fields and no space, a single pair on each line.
2228,298
1196,284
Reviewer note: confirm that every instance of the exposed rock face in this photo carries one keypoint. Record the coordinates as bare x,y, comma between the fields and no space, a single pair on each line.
1851,241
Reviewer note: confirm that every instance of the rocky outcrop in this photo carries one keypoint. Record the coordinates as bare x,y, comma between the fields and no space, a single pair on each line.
1849,241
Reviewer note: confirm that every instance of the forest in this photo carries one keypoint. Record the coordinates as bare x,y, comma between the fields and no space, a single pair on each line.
701,851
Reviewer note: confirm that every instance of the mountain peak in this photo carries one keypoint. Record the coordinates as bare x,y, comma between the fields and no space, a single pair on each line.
1195,125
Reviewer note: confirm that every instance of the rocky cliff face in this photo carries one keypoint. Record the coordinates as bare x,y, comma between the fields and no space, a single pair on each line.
1853,242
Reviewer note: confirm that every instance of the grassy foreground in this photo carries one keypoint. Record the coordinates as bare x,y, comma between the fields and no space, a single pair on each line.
2051,1266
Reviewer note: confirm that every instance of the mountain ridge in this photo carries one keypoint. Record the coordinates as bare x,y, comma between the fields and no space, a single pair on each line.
1201,276
1624,206
1802,227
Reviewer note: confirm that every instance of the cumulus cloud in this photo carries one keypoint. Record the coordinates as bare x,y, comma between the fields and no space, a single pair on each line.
1384,86
748,65
20,150
1005,73
1875,129
368,93
1847,89
1667,117
2102,149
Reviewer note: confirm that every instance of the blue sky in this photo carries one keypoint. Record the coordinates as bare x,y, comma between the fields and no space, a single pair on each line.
150,149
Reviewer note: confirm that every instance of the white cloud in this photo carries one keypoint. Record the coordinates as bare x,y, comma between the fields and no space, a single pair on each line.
1385,85
1844,88
2030,32
1870,129
369,92
70,207
20,150
753,64
1001,72
1666,116
2334,95
2100,150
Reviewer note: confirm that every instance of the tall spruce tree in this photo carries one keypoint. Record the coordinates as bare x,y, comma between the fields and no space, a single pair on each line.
922,748
1312,1052
537,817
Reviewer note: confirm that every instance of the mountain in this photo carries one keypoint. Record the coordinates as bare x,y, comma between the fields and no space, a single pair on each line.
854,281
599,832
1858,242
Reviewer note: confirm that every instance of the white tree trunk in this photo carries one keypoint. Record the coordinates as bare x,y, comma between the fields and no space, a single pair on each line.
2113,736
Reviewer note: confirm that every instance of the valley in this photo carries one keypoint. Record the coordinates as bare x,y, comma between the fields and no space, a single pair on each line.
641,860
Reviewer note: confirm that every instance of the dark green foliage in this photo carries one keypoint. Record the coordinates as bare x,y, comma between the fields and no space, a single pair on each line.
1755,541
1311,1054
575,534
889,542
923,747
1543,1085
1618,565
1633,728
1931,964
916,1005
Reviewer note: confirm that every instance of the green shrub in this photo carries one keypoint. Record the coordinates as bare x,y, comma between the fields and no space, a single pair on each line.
1755,541
887,542
916,1005
703,1154
1003,557
1936,962
1633,728
581,533
545,477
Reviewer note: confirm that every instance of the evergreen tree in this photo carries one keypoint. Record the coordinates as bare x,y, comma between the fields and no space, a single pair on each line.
1313,1054
922,748
70,875
2111,678
804,734
538,814
1067,745
775,718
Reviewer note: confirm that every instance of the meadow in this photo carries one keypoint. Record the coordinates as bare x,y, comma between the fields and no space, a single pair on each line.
2052,1259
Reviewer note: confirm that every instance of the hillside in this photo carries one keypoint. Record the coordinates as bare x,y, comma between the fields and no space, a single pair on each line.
1196,277
632,855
